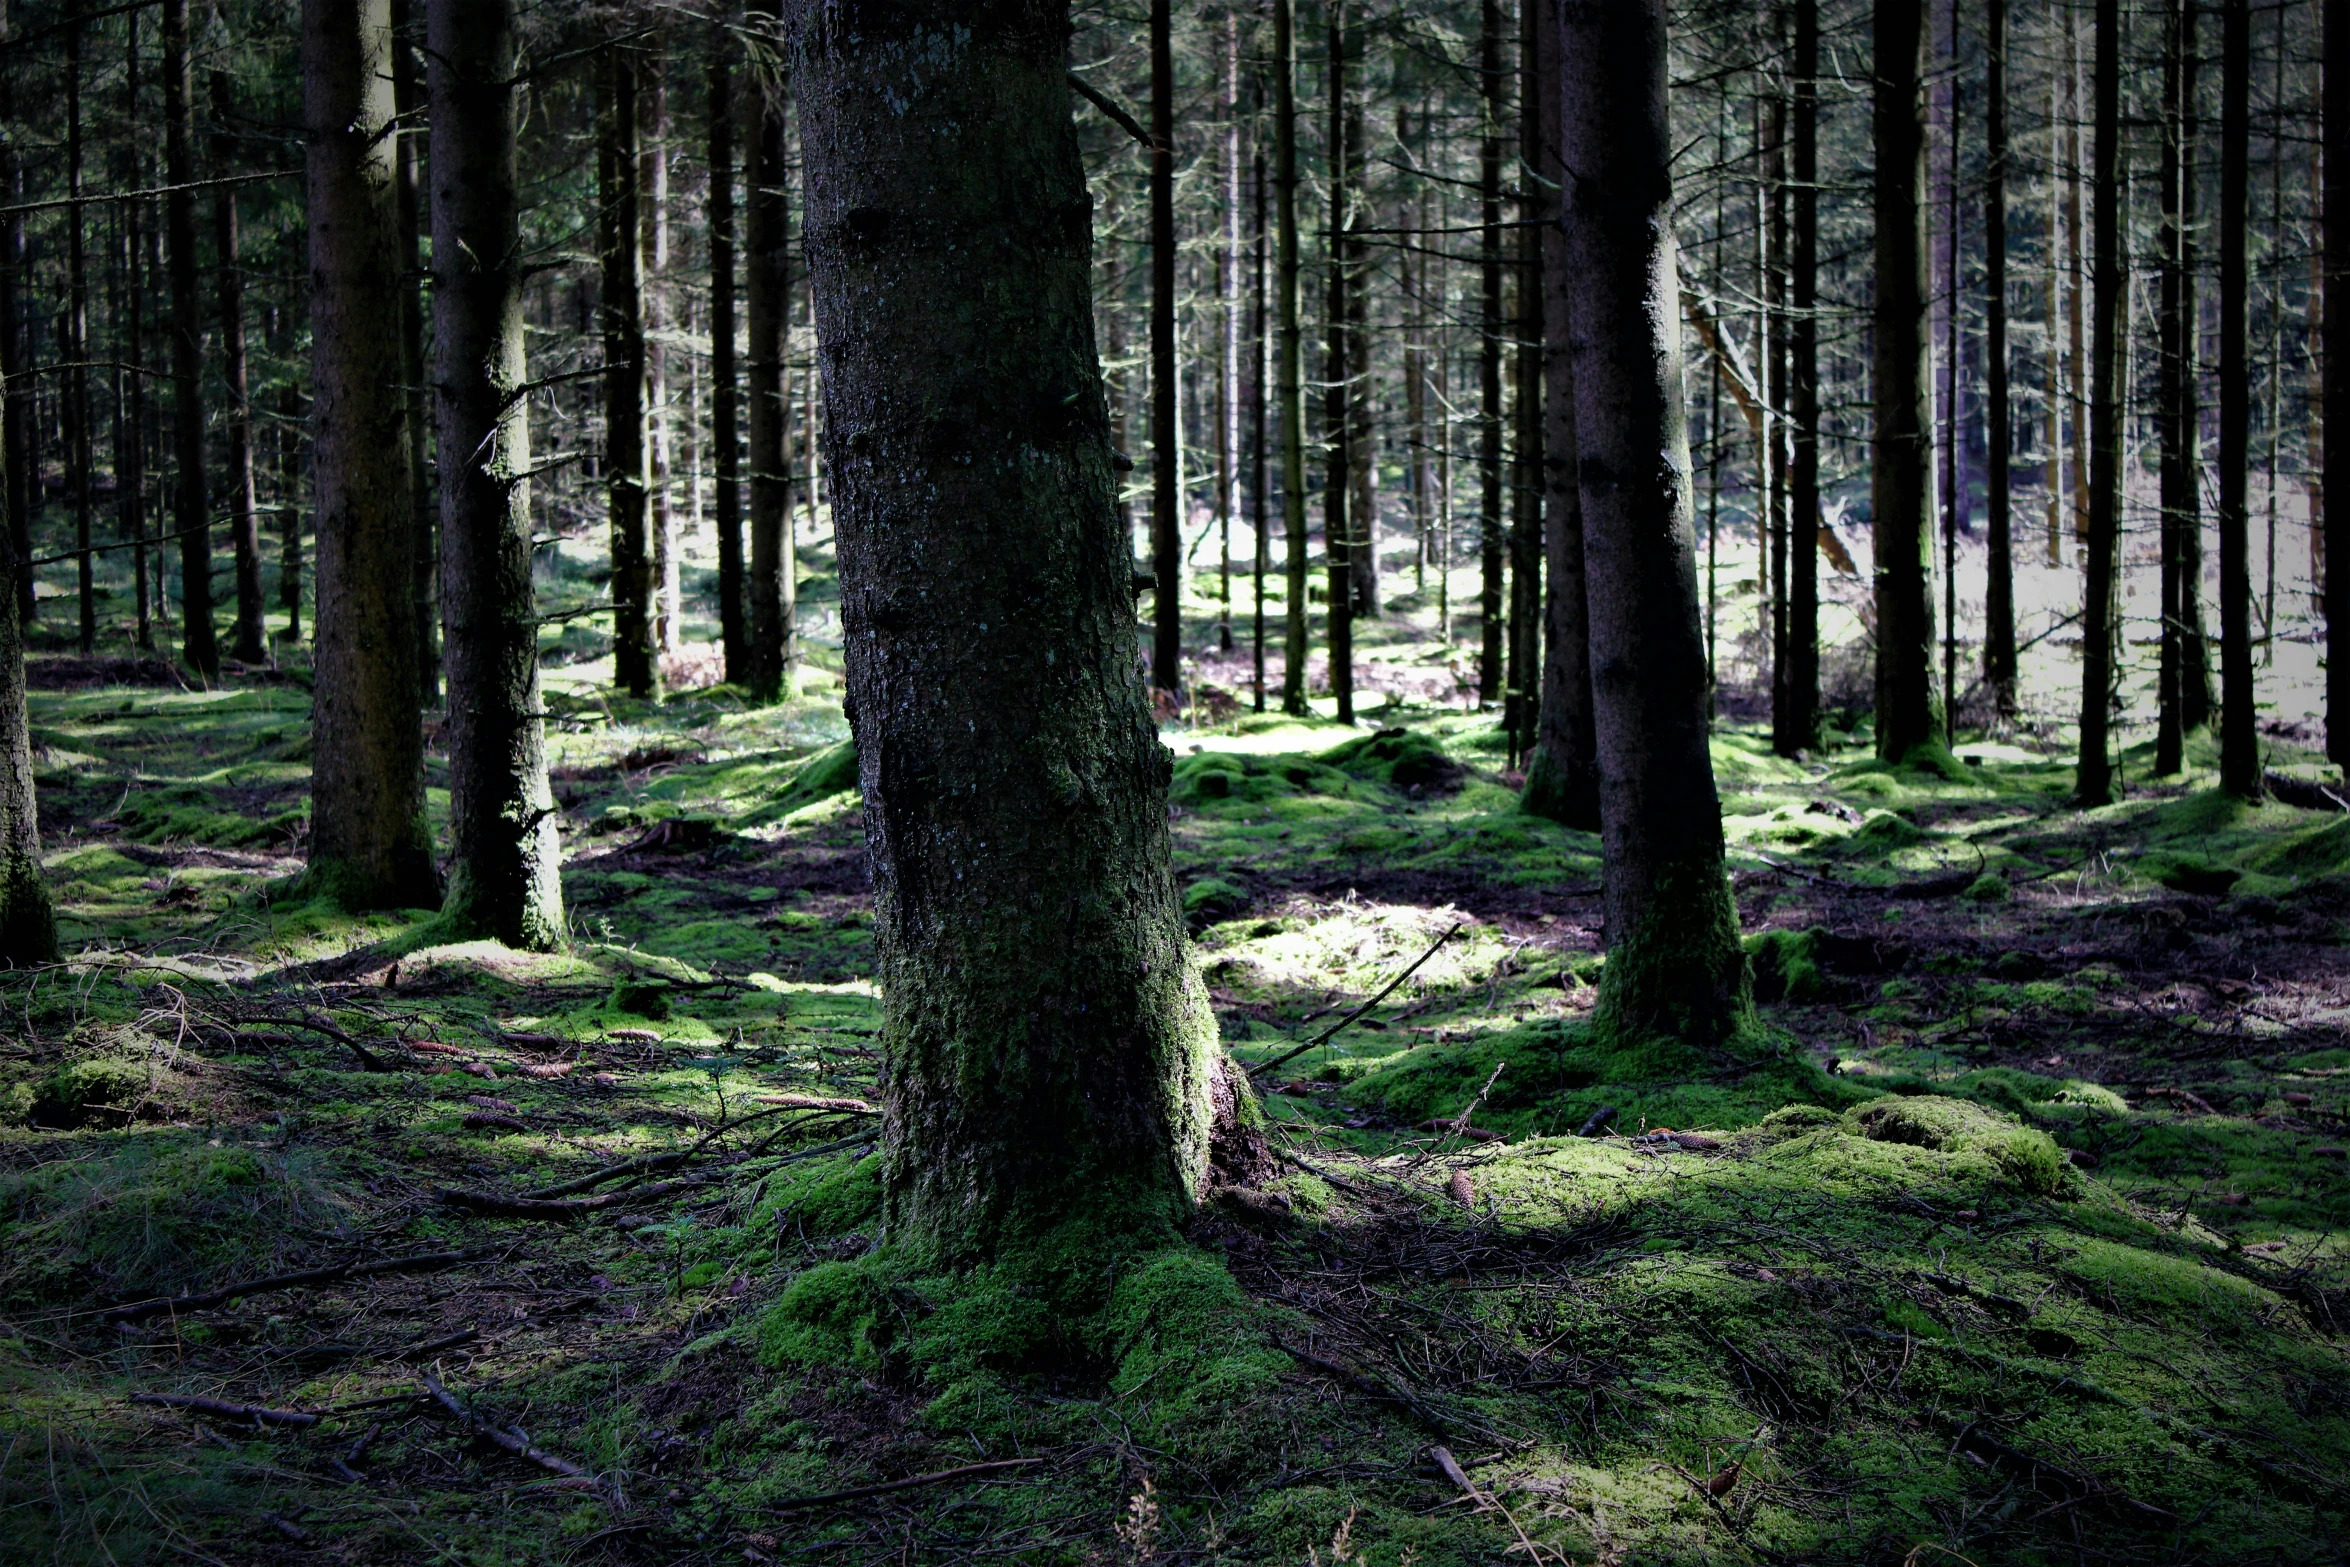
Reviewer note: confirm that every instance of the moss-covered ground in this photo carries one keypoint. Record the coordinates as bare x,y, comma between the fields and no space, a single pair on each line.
2017,1235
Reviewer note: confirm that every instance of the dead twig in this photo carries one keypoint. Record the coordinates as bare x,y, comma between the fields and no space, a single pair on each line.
257,1413
424,1263
494,1205
1331,1032
511,1441
937,1477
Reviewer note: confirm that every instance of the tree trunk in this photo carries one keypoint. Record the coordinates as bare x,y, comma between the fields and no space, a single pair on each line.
28,927
251,645
130,424
1337,420
1674,965
408,95
2334,489
1049,1046
1562,776
2239,738
1999,652
1166,458
191,516
1362,539
1801,684
79,457
2176,406
289,492
1492,326
774,576
1525,540
636,668
1906,715
652,173
725,436
1260,347
504,857
16,432
2093,774
1291,354
1228,357
1773,352
370,846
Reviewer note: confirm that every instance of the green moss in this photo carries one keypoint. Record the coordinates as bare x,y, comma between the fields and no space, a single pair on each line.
832,1314
1786,965
1983,1138
102,1088
1681,975
1211,899
1404,760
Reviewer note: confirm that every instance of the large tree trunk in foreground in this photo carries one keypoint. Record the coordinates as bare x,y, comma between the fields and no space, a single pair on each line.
1674,965
28,928
189,513
1906,714
773,576
370,846
635,668
244,515
1049,1046
2093,782
503,855
2239,738
1562,776
725,436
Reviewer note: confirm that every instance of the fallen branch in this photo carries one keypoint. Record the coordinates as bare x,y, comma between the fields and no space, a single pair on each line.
1369,1387
653,1164
256,1413
1331,1032
424,1263
938,1477
511,1441
2302,792
494,1205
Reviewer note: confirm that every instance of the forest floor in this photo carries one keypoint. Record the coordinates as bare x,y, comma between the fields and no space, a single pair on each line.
2021,1237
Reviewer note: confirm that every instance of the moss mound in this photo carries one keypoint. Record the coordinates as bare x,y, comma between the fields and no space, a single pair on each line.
1982,1140
1404,760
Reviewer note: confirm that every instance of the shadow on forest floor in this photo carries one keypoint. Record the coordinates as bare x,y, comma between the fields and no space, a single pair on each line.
2026,1244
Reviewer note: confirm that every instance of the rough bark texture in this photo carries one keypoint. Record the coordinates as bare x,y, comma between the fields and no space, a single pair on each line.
244,506
1999,653
1800,684
1674,964
1290,353
2335,587
1490,412
635,668
2176,413
1526,437
1562,776
2093,775
370,846
503,854
408,96
1337,424
1906,715
28,928
1166,454
16,434
2239,739
725,434
190,515
767,261
1048,1043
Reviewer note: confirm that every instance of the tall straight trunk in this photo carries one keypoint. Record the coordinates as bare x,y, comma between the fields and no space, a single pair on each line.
251,645
1771,360
504,857
1290,349
1260,351
1950,400
652,174
190,515
289,488
1906,715
1491,326
2076,279
28,925
79,456
1362,542
1562,775
370,845
2333,491
1228,358
408,95
725,437
636,667
2176,410
1525,539
1337,420
2052,469
1166,455
1412,273
1999,651
130,429
1048,1042
774,577
2093,775
1801,731
1674,965
2239,740
16,426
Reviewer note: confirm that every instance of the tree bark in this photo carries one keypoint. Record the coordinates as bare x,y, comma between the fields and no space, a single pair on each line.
1490,412
130,428
1049,1046
251,645
1228,379
1166,458
504,857
725,434
79,457
1562,776
370,846
2239,738
1260,494
1906,715
2334,488
1524,703
636,668
1290,351
774,578
2177,413
1337,420
28,926
1801,683
2093,782
1674,964
652,173
1999,652
190,514
16,433
408,97
290,456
